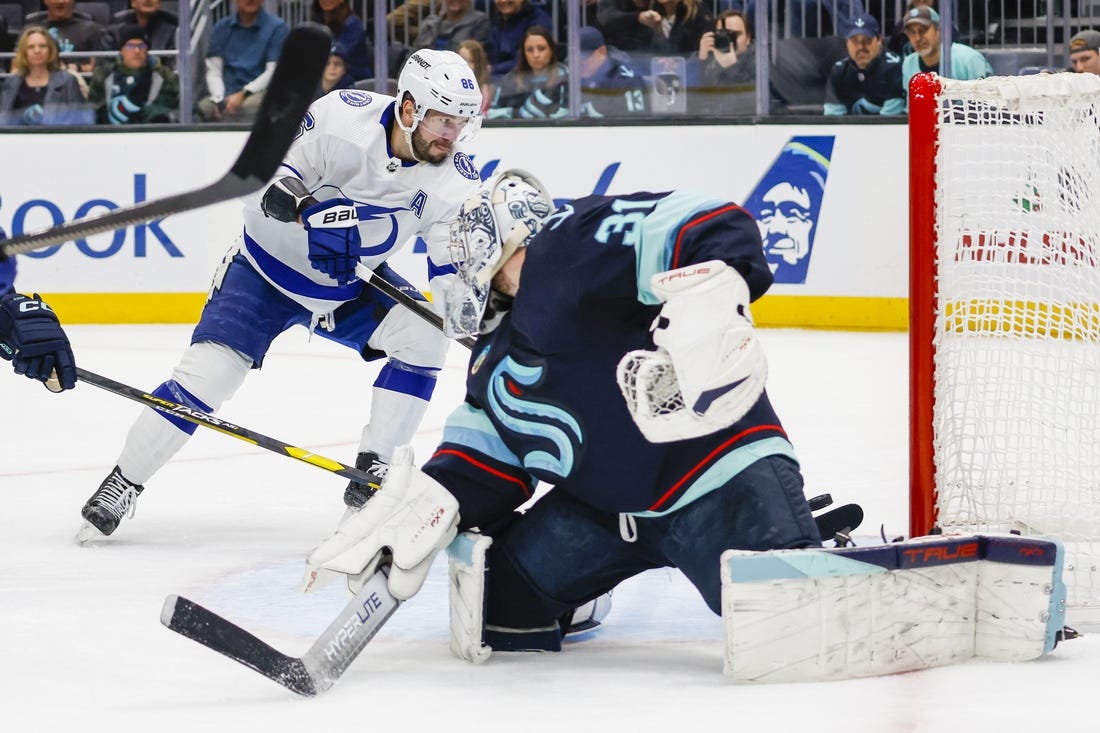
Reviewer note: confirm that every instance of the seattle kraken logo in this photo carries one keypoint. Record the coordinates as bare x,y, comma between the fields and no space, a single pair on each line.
558,428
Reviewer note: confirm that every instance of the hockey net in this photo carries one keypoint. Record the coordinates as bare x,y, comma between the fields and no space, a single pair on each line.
1005,312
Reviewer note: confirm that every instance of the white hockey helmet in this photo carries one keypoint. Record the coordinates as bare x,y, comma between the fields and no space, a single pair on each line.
502,216
443,81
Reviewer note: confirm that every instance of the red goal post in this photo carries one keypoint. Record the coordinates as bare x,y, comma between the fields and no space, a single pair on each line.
1004,186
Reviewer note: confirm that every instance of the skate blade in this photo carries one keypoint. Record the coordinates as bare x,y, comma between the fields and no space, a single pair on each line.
89,534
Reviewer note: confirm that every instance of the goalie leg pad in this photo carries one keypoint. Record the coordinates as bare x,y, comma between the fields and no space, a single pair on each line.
466,594
798,615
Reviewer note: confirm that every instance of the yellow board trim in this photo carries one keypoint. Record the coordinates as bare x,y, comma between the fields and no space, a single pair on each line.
839,313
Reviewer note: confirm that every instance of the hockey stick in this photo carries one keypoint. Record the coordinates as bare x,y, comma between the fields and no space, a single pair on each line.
316,670
207,420
297,73
387,288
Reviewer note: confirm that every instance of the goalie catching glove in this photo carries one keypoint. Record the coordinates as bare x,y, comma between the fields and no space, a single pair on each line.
410,519
708,369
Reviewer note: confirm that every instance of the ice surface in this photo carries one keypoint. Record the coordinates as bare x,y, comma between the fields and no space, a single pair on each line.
228,525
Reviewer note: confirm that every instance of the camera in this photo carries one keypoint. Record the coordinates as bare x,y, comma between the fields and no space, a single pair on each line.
724,39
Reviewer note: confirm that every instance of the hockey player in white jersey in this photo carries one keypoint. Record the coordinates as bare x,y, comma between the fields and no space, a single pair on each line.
366,174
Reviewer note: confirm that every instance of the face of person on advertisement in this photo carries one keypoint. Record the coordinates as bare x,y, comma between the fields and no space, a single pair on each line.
785,222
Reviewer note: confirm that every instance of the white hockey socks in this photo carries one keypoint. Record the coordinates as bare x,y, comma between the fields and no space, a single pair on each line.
211,372
797,615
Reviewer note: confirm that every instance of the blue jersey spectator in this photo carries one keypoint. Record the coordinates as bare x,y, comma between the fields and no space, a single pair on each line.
240,60
868,80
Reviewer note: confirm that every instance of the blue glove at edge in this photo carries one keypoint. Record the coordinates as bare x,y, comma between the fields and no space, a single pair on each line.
40,344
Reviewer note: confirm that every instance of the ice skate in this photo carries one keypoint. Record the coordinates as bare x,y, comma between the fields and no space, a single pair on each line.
115,498
356,494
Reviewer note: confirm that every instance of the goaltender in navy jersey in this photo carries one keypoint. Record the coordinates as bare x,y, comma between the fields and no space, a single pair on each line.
542,400
345,138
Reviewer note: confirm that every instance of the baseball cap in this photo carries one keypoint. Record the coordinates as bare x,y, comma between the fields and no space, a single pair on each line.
591,39
1086,40
923,15
863,25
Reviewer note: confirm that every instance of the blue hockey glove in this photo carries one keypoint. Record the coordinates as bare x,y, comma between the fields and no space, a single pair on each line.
334,242
120,108
31,338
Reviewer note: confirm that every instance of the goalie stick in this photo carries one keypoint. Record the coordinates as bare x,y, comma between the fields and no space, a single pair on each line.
315,671
297,73
206,420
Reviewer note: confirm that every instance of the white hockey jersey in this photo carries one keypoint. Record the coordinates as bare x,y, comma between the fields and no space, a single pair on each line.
343,151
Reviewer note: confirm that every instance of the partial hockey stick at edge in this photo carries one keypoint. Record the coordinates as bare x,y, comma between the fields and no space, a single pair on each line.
207,420
286,100
315,671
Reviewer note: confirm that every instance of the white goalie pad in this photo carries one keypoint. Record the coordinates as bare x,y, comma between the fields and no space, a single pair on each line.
821,614
466,574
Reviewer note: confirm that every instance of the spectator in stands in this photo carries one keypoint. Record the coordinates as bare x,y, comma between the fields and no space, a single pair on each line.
1084,52
922,28
459,22
677,26
621,25
160,26
335,76
537,87
507,28
727,58
475,56
898,42
40,91
868,80
137,88
610,86
404,21
347,30
72,31
239,62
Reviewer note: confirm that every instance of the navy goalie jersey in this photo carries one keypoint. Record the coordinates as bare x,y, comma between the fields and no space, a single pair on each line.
542,399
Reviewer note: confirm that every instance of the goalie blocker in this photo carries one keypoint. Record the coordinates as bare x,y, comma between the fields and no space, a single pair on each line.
800,615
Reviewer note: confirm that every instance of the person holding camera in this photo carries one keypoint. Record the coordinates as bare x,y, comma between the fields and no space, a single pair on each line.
728,67
868,80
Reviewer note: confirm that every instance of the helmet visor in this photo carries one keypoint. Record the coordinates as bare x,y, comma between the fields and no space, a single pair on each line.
450,127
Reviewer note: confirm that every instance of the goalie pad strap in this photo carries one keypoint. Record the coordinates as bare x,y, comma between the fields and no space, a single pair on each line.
796,615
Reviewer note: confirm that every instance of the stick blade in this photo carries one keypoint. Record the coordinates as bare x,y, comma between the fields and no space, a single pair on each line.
189,619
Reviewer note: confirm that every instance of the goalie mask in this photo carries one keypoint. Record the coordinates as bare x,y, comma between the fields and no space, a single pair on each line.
503,216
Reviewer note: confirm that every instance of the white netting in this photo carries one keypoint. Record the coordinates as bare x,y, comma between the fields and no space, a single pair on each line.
1017,368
